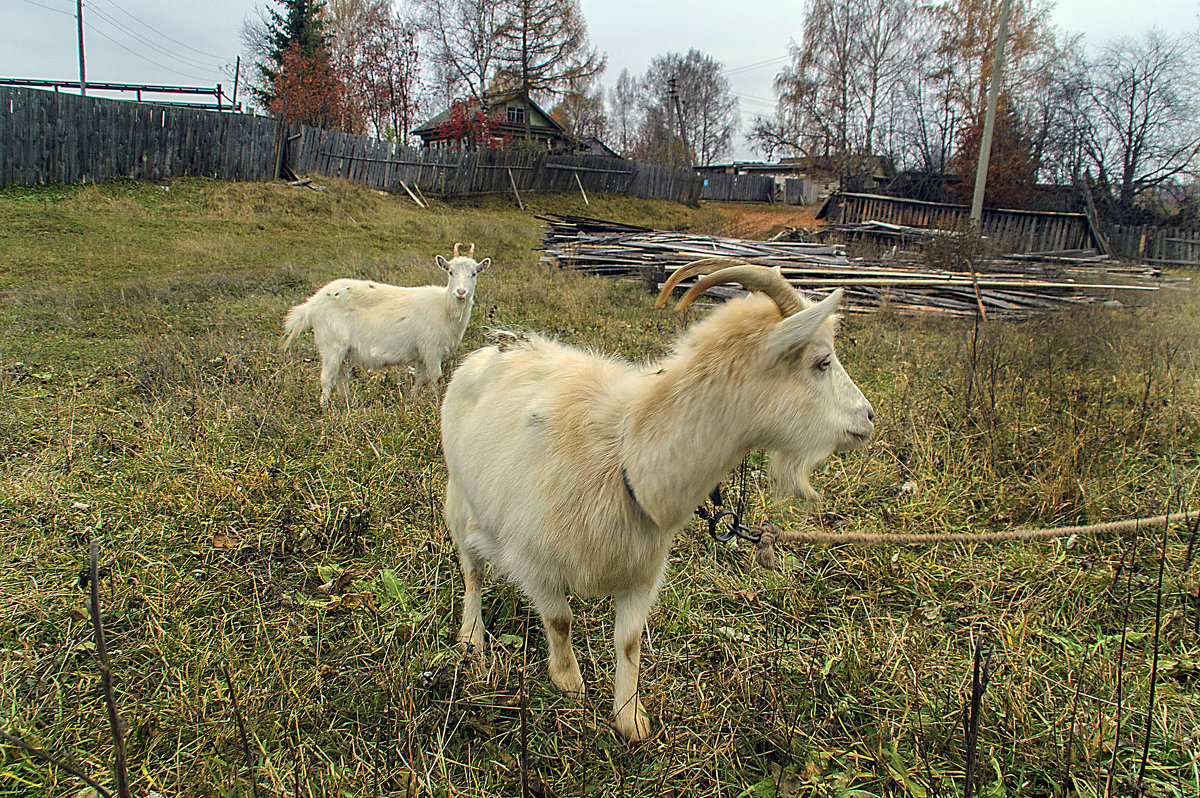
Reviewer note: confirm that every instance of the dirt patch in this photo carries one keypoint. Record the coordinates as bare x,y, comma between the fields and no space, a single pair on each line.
759,221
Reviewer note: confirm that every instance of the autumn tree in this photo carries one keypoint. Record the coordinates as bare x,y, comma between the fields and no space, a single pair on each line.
1012,166
377,51
308,89
469,128
298,38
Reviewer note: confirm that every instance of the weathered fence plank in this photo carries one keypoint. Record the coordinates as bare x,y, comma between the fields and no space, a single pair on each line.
1016,230
738,188
58,137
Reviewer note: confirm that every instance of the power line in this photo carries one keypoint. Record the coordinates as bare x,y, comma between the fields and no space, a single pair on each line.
160,33
50,8
144,58
756,100
185,60
748,67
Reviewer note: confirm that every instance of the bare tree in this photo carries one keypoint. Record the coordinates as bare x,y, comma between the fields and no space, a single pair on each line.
625,103
543,49
463,42
929,116
1143,105
581,110
838,96
706,113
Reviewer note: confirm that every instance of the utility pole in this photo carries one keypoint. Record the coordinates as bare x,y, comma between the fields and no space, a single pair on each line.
79,17
237,72
989,120
672,100
687,149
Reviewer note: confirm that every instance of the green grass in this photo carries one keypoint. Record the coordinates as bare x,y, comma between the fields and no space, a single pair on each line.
144,402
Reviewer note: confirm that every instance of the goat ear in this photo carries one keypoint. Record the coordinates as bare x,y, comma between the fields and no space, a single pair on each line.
797,329
442,262
483,264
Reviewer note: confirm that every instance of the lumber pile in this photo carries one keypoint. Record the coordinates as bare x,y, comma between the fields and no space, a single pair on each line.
1010,286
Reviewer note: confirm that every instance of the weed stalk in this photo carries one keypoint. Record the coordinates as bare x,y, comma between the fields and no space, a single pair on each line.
115,721
1162,561
1112,765
1070,752
524,734
237,716
979,680
45,757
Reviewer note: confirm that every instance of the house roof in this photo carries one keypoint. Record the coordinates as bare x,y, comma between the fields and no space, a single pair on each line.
539,119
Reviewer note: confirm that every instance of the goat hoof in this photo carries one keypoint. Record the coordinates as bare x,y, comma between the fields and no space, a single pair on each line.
570,683
472,648
633,723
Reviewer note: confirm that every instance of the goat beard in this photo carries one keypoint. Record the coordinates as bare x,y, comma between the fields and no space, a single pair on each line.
790,474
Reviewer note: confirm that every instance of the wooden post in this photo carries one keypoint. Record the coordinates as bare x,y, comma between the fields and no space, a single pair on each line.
513,181
280,138
414,196
421,194
579,183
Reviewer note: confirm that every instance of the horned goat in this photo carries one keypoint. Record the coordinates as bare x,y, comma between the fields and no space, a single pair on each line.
373,325
572,470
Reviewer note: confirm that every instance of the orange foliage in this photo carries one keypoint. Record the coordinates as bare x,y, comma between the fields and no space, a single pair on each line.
315,93
1012,167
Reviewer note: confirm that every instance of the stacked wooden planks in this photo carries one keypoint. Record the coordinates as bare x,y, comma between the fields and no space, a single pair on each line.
1008,286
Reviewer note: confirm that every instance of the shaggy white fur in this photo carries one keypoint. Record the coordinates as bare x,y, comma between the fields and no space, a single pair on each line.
569,470
373,325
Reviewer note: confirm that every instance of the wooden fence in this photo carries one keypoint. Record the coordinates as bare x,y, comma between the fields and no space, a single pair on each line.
1167,246
1018,231
48,137
56,137
738,188
455,173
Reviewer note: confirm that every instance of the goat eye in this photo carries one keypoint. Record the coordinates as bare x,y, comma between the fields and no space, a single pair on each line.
824,365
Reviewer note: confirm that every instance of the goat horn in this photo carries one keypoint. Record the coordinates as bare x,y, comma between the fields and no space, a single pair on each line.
704,266
471,252
456,246
768,281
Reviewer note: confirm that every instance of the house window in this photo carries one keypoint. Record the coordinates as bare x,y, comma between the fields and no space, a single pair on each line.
516,114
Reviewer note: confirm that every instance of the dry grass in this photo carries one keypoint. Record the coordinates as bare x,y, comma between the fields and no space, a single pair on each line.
146,404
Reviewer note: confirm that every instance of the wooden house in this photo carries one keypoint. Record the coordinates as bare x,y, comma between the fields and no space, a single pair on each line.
510,108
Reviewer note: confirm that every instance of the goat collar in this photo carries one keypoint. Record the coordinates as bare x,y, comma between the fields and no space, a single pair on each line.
625,480
629,488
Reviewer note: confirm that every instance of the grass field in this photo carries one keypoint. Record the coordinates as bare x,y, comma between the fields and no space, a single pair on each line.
144,402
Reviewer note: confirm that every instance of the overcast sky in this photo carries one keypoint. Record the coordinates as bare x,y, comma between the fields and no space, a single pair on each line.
192,43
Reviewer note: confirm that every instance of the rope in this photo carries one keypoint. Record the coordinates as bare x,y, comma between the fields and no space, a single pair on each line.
771,534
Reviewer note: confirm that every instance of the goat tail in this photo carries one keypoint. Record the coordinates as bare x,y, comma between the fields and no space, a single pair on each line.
298,319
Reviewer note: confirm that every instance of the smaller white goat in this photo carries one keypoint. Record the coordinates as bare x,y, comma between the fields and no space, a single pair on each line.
373,325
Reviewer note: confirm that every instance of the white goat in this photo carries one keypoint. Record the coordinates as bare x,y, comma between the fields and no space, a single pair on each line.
570,470
374,325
